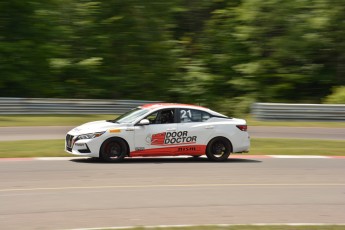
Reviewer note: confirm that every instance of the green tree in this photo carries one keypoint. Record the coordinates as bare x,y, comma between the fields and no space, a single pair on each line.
77,65
215,52
337,96
274,50
136,48
24,49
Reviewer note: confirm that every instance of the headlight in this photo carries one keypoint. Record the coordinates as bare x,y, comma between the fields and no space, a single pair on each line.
90,135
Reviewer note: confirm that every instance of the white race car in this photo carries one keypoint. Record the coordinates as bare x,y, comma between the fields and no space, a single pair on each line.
164,129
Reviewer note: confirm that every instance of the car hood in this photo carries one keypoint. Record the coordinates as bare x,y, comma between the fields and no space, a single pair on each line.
95,126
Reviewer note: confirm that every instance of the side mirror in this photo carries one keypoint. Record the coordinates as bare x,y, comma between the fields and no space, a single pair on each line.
144,122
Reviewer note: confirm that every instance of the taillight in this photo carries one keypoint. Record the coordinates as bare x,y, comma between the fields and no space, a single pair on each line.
242,127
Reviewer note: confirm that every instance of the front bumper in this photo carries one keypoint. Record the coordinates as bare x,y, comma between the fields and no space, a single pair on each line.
84,147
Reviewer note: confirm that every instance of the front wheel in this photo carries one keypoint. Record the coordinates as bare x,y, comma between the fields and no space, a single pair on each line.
113,150
218,149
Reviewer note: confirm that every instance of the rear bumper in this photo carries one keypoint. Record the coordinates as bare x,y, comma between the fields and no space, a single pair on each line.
243,144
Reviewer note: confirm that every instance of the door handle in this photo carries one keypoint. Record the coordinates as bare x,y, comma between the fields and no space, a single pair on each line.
172,129
209,127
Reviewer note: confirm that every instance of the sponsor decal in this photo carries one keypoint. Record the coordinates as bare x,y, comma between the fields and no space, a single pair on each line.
186,149
139,149
171,150
171,138
79,144
115,131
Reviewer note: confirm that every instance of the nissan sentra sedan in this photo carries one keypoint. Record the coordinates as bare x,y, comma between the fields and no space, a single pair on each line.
163,129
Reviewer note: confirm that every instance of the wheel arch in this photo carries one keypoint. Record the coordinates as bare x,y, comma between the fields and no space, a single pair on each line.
114,138
232,148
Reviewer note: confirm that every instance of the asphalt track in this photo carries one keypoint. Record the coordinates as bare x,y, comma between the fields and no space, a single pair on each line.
87,193
59,132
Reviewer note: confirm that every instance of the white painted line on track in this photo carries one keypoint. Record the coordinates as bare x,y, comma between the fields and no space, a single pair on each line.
216,225
167,186
58,158
300,156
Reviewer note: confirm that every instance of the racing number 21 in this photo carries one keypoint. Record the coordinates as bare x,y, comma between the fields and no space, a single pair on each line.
186,114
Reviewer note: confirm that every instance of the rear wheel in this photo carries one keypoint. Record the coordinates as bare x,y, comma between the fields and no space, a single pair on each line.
113,150
218,149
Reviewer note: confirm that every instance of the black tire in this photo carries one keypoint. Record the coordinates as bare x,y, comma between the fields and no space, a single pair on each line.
113,150
218,149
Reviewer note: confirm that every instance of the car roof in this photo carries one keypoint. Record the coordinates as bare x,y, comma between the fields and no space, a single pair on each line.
179,105
169,105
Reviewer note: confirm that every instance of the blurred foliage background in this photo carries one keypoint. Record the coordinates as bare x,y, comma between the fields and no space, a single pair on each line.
213,52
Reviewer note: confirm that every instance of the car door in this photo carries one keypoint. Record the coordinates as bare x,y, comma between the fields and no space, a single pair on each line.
195,129
153,139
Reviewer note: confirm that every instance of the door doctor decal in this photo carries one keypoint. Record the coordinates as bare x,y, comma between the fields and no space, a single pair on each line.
171,138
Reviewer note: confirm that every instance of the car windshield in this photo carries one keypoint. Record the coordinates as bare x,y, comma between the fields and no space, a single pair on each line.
130,116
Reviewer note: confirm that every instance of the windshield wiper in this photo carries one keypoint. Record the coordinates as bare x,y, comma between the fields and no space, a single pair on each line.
112,121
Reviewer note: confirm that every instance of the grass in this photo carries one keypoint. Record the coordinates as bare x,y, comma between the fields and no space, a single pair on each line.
260,146
51,120
326,124
74,120
46,148
246,227
276,146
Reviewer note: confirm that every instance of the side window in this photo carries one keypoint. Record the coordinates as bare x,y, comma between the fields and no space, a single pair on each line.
192,115
152,117
165,116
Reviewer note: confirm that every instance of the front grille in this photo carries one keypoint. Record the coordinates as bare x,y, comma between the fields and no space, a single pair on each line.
69,142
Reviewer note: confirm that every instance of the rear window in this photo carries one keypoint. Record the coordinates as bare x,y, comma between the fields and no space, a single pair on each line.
193,115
